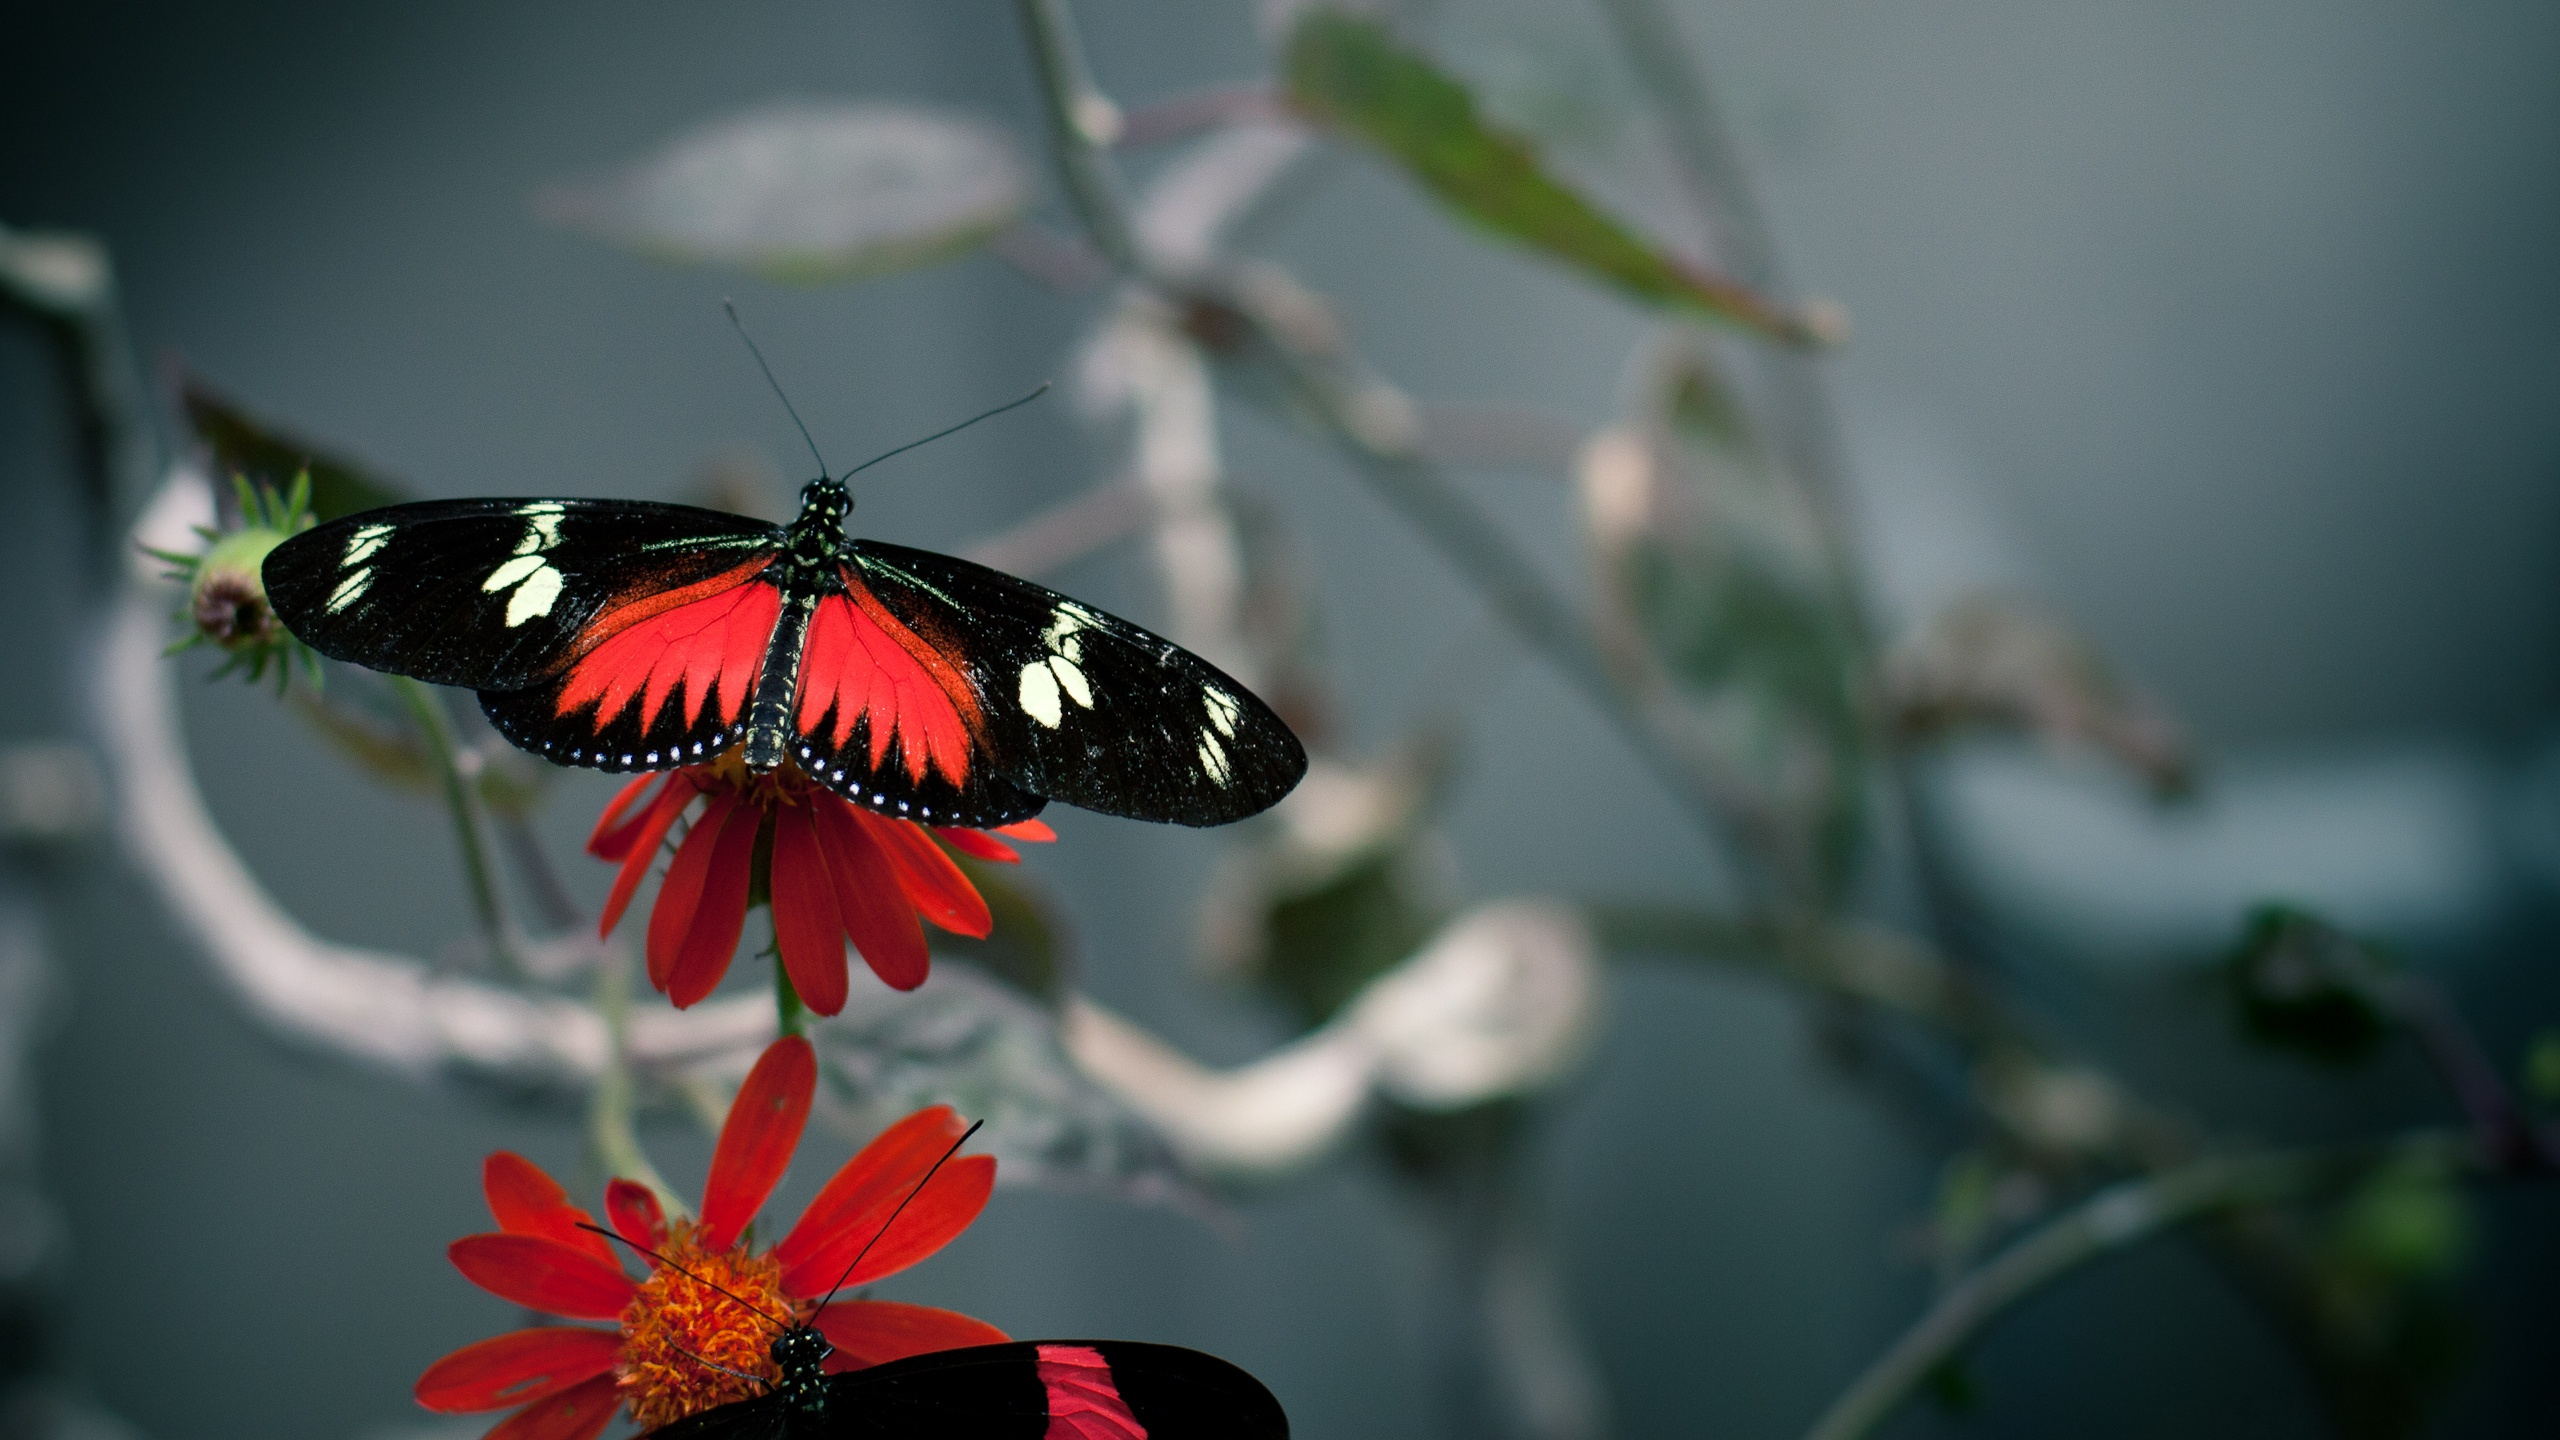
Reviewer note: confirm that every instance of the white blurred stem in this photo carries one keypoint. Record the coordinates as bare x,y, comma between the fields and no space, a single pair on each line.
385,1012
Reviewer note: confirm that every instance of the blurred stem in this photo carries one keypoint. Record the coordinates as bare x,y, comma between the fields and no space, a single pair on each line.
1799,401
1363,422
462,802
611,1111
2112,1220
1083,123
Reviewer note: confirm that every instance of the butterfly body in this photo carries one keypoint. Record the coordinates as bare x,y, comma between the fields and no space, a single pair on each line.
1026,1390
623,635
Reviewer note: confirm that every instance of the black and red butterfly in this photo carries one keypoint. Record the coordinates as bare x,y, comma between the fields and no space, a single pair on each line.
1028,1390
625,635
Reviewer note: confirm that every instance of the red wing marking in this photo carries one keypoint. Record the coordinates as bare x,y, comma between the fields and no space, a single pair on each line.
862,660
709,637
1084,1401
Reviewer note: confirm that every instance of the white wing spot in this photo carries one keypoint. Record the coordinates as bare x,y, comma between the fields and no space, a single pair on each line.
1039,694
348,590
362,544
1222,710
1213,758
534,597
513,572
1073,679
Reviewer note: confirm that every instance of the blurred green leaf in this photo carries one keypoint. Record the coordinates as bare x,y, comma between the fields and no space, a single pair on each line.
1348,72
1026,947
2542,1067
2407,1221
1345,885
243,445
1954,1387
2384,1273
810,191
1327,942
1714,605
2304,985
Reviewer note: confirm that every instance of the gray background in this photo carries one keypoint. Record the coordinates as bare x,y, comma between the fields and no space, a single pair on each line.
2244,320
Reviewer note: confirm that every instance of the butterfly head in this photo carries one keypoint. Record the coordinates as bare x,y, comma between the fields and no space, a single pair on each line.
801,1353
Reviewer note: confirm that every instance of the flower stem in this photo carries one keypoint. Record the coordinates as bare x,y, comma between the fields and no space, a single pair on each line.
789,1012
612,1108
2114,1219
462,802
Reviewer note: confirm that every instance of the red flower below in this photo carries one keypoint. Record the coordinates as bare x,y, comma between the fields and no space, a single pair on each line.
569,1379
837,873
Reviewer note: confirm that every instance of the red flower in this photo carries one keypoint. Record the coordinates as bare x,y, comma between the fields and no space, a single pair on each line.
837,872
570,1378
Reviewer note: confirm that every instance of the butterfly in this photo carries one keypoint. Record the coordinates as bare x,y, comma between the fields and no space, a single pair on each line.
1027,1390
630,635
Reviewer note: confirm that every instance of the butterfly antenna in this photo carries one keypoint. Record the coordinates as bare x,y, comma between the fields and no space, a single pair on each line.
657,1258
912,1194
732,307
954,430
709,1363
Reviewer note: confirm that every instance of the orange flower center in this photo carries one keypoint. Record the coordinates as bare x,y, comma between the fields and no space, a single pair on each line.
677,1323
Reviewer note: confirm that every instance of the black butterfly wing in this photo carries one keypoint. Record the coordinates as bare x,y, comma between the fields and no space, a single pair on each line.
1094,1389
764,1417
493,594
1082,706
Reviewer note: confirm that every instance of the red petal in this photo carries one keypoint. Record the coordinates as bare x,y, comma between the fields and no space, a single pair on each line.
578,1413
680,894
521,1365
528,1202
805,922
877,1176
636,1213
1037,831
612,838
934,1219
542,1274
934,885
643,847
875,1332
978,843
850,1209
722,918
875,911
757,1139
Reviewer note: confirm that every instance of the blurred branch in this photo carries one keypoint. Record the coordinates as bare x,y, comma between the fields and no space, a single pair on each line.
386,1012
2498,1123
67,283
1083,123
1369,421
2110,1221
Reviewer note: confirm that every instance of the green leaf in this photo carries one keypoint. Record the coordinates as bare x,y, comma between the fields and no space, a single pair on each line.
1348,72
2542,1067
247,448
1714,607
810,191
2304,985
